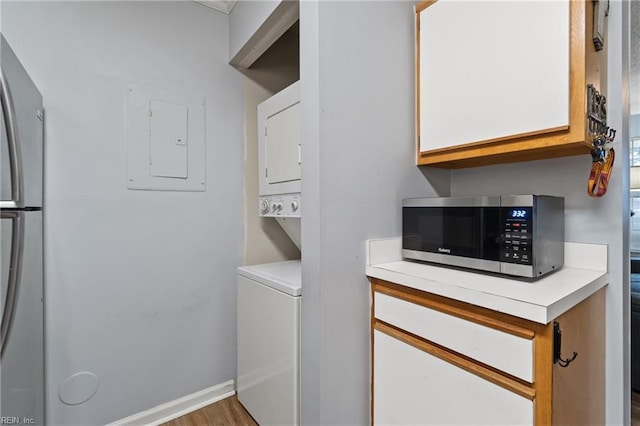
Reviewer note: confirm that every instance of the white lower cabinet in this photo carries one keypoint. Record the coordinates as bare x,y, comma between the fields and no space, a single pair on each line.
413,387
440,361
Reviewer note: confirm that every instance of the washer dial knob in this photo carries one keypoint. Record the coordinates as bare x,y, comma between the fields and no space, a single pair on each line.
264,206
294,205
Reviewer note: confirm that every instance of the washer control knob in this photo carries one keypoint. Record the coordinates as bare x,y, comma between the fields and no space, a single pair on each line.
264,206
294,205
279,205
274,207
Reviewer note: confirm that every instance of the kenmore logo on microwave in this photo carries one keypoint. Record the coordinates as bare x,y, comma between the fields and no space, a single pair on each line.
444,250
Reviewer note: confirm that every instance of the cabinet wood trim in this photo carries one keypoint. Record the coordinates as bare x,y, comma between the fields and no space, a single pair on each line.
423,5
372,320
543,374
552,143
579,390
481,370
496,320
494,141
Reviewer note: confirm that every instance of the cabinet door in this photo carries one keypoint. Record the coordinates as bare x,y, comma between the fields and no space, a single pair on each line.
411,386
493,85
492,70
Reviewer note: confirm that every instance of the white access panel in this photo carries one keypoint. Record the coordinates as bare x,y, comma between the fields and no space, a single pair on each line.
490,69
268,381
165,135
279,143
412,387
282,139
168,149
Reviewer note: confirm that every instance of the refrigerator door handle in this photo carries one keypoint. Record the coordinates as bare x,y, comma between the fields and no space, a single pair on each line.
15,270
15,159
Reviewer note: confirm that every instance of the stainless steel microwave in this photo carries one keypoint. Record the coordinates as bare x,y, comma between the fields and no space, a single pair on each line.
520,235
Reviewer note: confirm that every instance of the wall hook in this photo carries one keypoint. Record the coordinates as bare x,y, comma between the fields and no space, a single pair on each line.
557,348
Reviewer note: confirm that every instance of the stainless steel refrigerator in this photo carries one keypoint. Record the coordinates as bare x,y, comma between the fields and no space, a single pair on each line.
21,251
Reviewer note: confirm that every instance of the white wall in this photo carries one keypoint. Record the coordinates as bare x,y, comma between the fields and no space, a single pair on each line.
358,163
245,19
279,66
602,221
140,286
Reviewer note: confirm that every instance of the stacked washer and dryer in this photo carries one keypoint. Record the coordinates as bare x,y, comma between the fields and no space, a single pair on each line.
269,295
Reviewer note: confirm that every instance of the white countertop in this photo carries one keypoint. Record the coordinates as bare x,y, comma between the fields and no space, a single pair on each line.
542,300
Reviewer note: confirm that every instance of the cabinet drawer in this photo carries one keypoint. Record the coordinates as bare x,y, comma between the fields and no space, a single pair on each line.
504,351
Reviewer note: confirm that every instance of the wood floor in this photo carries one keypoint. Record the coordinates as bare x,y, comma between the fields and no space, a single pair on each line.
635,409
230,412
227,412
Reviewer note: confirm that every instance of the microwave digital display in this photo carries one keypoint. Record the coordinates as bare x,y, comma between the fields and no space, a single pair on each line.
518,213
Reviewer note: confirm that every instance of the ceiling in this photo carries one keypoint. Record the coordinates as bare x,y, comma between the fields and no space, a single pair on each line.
224,6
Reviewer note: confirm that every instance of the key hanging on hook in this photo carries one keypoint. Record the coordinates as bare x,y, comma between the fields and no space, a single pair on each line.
602,136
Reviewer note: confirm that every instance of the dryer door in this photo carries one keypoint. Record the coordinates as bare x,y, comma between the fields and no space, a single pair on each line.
279,143
282,140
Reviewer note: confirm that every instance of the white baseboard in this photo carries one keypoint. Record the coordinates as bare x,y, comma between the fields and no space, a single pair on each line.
179,407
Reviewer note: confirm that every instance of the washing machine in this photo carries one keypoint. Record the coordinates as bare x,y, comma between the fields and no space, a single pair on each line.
279,160
268,382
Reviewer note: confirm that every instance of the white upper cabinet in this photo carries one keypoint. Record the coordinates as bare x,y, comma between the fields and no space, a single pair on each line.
490,70
502,81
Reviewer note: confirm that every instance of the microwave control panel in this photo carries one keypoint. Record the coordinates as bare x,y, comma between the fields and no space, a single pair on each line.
517,235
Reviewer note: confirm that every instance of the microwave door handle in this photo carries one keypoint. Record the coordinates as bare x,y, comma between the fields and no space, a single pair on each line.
15,269
15,159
